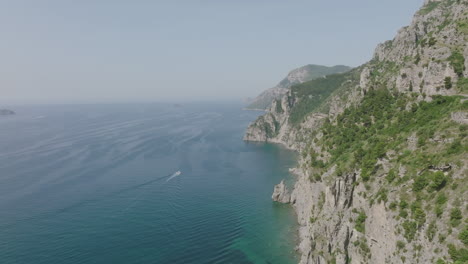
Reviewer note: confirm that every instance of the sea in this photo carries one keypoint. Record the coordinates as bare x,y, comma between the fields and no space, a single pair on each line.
141,183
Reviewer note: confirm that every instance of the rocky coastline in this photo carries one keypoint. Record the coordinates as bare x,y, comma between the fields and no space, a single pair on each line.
344,216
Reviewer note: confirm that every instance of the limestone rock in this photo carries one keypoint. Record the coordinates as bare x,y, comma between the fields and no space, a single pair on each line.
460,117
281,193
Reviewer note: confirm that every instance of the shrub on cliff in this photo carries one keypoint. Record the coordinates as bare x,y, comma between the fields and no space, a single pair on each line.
458,62
455,216
463,236
361,222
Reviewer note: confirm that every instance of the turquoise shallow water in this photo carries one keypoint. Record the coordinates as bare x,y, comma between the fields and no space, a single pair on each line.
91,184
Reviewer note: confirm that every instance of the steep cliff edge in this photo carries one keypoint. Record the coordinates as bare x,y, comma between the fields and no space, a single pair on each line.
296,76
382,176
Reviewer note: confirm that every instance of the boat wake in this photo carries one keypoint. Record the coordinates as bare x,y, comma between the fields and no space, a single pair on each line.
136,198
90,201
175,174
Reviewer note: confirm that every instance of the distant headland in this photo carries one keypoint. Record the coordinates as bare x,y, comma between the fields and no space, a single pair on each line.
4,112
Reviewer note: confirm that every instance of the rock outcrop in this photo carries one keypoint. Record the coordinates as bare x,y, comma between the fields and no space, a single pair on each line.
460,117
281,193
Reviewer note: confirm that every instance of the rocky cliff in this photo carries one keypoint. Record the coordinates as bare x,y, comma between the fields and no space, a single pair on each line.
296,76
382,175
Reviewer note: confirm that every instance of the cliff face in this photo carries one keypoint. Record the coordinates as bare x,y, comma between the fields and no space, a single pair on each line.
303,109
430,50
383,170
296,76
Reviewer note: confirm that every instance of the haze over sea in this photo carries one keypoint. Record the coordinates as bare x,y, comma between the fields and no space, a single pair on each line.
92,184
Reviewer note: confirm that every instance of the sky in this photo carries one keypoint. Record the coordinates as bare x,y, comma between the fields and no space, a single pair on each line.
92,51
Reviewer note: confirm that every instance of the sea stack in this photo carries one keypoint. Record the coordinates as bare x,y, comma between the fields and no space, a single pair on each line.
281,193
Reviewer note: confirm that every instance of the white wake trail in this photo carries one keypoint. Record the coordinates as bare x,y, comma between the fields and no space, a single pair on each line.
175,174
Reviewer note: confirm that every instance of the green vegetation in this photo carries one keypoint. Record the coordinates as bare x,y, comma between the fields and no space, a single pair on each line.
270,131
431,230
383,70
448,82
447,21
410,228
458,255
418,214
428,8
382,195
462,85
321,200
438,181
311,72
419,183
403,204
400,244
440,202
455,216
432,41
365,133
312,94
435,181
363,247
403,213
442,238
279,108
462,26
391,176
463,236
381,123
417,59
458,62
361,222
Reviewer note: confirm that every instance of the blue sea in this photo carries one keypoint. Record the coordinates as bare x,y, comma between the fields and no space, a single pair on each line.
98,184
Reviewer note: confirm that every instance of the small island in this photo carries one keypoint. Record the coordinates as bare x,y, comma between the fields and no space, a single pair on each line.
5,112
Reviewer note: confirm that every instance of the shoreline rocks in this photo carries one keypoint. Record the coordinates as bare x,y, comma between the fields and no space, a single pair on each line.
281,193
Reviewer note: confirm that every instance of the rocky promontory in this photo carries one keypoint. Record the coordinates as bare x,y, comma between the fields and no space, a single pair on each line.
296,76
281,193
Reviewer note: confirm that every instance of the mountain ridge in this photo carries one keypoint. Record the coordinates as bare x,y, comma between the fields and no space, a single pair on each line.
299,75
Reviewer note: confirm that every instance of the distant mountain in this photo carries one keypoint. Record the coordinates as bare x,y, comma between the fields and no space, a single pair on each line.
297,76
6,112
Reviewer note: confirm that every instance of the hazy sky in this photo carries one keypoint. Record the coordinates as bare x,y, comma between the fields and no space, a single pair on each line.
116,51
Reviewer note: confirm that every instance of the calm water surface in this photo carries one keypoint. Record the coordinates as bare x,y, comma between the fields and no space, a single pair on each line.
92,184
